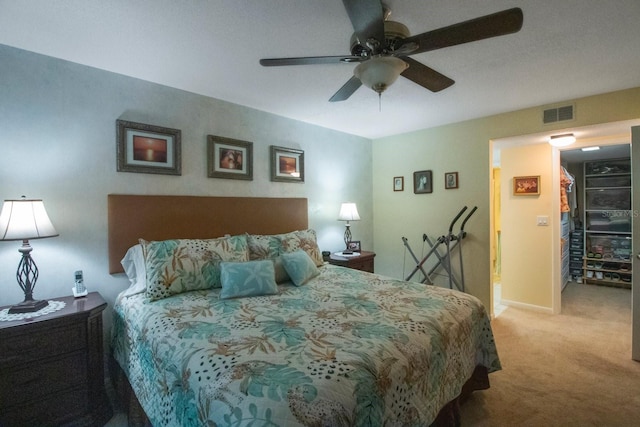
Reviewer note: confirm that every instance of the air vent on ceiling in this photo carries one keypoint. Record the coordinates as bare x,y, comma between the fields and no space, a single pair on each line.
559,114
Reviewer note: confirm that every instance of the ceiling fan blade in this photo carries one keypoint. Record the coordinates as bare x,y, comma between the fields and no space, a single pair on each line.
346,90
310,60
425,76
367,18
498,24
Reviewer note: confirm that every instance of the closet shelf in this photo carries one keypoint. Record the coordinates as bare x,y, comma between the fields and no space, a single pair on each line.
607,218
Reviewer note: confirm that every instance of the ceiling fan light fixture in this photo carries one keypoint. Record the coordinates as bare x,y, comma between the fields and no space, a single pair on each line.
379,73
562,140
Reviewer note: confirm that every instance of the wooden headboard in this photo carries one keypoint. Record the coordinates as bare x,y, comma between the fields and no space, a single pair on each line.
132,217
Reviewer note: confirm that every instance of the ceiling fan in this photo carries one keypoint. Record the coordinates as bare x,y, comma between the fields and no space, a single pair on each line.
382,47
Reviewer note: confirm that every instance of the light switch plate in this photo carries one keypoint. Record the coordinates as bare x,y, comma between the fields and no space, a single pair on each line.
542,220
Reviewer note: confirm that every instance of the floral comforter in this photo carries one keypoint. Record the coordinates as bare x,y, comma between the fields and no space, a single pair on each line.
348,348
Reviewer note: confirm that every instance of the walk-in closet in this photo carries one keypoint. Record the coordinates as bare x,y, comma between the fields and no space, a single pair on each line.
596,216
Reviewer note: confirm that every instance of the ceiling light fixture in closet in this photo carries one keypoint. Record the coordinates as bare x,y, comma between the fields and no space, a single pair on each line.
596,148
562,140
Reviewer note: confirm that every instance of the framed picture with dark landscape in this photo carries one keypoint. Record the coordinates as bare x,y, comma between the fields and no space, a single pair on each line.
229,158
147,148
422,182
287,164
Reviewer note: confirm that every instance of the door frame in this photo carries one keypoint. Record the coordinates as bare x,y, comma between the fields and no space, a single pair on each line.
635,244
613,138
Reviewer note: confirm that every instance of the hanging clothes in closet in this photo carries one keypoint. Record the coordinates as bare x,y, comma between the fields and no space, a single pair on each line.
568,201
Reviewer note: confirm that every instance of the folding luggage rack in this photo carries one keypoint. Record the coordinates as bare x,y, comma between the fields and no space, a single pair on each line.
450,241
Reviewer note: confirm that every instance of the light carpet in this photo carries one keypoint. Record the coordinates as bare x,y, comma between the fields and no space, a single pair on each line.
571,369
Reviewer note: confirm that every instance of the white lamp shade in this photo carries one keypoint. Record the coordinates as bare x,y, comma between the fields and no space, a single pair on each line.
348,212
379,73
25,219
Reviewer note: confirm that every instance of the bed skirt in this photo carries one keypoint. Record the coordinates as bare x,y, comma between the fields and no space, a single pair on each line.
449,415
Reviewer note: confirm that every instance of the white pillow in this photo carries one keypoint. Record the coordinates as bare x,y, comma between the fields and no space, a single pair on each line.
134,268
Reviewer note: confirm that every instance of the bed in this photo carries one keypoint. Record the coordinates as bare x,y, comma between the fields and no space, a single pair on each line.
317,345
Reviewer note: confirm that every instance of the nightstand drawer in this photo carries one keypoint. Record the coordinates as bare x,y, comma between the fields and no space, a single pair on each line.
60,408
28,347
364,265
51,367
43,379
364,261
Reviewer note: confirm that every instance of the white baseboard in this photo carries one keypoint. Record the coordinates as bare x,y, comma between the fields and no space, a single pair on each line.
531,307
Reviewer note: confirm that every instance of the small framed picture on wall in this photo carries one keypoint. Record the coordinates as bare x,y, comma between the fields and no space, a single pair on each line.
145,148
398,183
450,180
526,185
422,182
287,164
229,158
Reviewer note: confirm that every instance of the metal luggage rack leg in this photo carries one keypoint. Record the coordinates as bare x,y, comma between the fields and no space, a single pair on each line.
450,241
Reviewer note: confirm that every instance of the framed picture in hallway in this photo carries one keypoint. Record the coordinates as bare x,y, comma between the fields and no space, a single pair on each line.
526,185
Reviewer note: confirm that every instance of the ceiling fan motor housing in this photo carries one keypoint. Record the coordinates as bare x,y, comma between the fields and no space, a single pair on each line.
394,32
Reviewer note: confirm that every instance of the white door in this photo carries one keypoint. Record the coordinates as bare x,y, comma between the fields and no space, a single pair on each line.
635,290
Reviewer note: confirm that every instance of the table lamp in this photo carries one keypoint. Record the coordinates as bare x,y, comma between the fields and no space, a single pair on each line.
348,212
26,219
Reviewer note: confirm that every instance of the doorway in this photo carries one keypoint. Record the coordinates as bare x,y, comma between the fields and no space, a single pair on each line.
604,135
595,215
532,155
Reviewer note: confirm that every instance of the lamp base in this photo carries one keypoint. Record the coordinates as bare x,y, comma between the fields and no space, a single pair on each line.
28,306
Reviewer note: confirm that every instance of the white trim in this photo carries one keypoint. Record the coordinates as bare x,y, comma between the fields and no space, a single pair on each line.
530,307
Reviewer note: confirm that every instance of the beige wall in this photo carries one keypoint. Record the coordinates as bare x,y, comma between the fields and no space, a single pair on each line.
465,147
527,261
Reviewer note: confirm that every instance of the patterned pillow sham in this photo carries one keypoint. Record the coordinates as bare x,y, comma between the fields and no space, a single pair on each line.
263,246
271,246
244,279
268,246
300,267
305,240
181,265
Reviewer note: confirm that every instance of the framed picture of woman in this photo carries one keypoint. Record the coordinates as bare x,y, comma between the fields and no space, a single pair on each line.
422,182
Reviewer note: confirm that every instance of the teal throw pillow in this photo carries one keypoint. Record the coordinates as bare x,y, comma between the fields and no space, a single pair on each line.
299,266
244,279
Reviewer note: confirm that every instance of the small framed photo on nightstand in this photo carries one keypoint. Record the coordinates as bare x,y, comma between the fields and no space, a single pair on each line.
354,246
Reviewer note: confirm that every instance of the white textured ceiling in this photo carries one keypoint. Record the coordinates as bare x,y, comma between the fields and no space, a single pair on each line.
566,49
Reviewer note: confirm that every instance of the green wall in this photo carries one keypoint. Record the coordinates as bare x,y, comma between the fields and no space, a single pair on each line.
465,148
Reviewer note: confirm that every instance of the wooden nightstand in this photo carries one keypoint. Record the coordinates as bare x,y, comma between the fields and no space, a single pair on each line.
51,367
363,262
